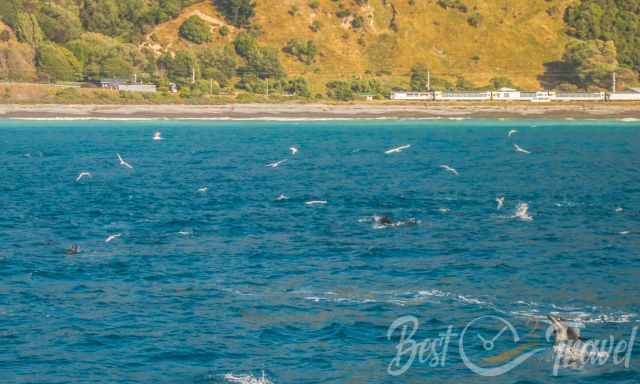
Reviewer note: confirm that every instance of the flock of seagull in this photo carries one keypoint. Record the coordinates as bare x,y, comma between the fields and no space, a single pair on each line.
381,221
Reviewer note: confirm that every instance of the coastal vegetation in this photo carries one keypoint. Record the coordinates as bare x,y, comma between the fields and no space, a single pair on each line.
334,49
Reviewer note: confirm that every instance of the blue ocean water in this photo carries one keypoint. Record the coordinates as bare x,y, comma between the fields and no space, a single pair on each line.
233,281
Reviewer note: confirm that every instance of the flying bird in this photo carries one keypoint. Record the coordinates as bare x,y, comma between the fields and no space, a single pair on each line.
500,201
294,150
449,169
157,136
397,150
512,132
520,149
123,163
203,190
282,197
276,164
112,237
81,175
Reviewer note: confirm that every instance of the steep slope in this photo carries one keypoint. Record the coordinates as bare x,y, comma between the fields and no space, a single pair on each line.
511,38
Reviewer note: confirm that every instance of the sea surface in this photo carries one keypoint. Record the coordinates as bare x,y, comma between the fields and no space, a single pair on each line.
214,276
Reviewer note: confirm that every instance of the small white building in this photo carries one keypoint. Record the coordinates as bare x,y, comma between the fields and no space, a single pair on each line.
632,94
401,95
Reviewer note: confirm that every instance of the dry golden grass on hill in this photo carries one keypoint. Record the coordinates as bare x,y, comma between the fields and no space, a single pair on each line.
513,39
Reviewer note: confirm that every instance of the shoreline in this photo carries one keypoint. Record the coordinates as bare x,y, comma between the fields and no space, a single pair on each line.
322,111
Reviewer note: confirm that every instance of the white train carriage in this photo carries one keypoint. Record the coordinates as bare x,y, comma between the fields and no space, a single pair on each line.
535,96
462,96
624,96
577,96
411,96
506,94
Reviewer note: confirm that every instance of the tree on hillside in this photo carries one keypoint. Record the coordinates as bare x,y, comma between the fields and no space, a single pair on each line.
195,30
28,30
182,68
419,78
56,63
218,64
244,44
5,36
103,56
116,67
237,12
17,62
103,16
262,62
594,61
617,20
59,24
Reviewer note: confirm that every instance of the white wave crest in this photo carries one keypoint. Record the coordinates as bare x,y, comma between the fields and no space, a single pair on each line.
247,379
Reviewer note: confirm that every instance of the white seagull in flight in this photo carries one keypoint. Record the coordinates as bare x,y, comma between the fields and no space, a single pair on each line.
81,175
397,150
512,132
520,149
123,163
276,164
203,190
500,201
294,150
112,237
157,136
449,169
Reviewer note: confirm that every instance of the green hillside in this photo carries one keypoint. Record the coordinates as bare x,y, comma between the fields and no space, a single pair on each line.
320,48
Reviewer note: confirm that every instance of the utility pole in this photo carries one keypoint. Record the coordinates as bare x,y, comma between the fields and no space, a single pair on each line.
267,87
428,80
193,74
613,81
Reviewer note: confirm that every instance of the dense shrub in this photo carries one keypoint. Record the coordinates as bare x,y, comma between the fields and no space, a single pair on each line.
303,51
237,12
340,90
195,30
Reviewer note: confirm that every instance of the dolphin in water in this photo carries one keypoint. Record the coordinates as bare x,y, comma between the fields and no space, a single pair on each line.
383,221
73,250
